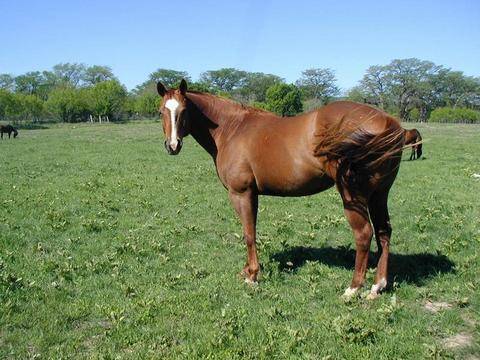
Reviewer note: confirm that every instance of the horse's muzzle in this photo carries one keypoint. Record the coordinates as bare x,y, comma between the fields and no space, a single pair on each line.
175,151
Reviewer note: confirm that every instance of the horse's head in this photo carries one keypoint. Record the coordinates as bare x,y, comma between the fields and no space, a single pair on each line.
15,133
175,116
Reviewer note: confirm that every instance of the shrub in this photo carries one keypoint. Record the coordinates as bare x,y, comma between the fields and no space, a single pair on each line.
284,99
455,115
414,115
68,104
106,98
260,105
147,104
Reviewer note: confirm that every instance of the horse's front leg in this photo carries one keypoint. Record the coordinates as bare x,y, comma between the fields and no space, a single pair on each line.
246,205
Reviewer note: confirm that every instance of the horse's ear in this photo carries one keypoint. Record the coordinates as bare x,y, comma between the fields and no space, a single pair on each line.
183,87
161,89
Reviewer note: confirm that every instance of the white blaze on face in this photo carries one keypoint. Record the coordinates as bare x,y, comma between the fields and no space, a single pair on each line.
172,105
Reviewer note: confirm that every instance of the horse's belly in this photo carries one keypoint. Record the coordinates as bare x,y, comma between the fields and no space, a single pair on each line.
293,185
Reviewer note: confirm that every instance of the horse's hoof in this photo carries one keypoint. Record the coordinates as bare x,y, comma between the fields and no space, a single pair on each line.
251,282
349,294
249,278
376,289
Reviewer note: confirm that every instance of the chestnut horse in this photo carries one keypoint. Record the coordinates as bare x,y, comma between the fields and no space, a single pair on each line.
414,139
353,146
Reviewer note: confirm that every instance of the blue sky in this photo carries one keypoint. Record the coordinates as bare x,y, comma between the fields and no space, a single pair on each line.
279,37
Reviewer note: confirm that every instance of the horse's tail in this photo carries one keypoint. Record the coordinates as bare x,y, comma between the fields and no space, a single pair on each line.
360,153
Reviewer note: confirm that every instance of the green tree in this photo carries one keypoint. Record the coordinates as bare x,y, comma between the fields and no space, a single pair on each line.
106,99
128,106
358,94
318,84
199,86
256,85
70,73
284,99
29,83
31,107
453,89
408,78
226,79
375,86
455,115
169,78
414,88
7,82
147,104
97,73
48,82
68,104
8,104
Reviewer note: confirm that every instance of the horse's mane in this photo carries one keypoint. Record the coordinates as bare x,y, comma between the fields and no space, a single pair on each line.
211,106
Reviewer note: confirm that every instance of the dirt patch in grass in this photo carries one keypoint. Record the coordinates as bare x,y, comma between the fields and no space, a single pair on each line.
436,306
469,320
458,341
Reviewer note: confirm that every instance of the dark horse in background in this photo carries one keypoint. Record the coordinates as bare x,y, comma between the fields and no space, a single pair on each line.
354,147
8,129
414,139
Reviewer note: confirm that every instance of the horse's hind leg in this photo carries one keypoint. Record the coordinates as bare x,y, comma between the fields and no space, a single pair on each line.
378,208
357,216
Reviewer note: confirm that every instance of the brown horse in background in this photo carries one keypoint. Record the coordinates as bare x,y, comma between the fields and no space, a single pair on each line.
353,146
414,139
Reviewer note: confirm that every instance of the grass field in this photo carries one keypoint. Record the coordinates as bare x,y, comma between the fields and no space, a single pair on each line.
109,248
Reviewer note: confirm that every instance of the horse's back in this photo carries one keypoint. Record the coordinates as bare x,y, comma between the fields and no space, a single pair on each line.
355,115
6,128
412,136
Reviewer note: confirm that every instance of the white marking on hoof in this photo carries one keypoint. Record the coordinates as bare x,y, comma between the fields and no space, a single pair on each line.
376,288
349,293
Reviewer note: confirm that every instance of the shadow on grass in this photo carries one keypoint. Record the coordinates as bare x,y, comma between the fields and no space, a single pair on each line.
410,268
408,160
133,120
30,126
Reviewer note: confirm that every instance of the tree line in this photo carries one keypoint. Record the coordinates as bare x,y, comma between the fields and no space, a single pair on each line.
411,89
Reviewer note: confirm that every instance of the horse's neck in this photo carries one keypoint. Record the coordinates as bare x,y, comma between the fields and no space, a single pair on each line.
213,119
203,133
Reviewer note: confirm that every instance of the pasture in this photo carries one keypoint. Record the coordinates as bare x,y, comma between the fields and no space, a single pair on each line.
110,248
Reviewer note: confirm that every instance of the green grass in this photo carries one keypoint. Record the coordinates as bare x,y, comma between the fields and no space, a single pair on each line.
109,248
